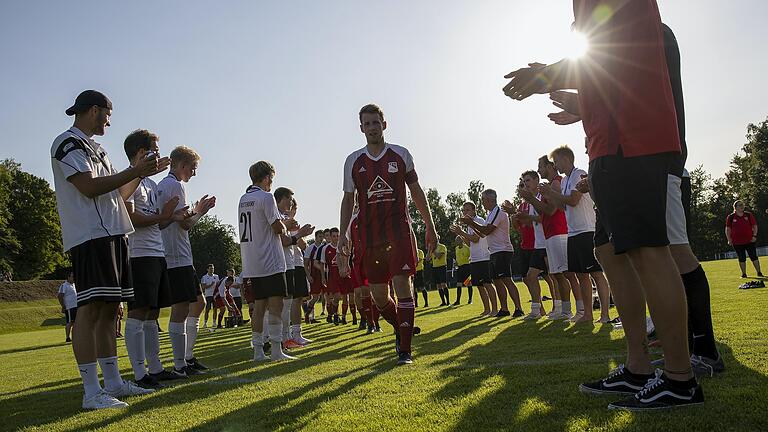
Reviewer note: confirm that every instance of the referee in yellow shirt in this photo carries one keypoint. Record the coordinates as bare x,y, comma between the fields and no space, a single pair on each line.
462,261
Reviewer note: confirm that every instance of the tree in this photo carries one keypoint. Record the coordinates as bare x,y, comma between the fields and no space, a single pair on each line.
213,242
475,190
10,244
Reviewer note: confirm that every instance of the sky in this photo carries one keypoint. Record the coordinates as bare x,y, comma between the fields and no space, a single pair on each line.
242,81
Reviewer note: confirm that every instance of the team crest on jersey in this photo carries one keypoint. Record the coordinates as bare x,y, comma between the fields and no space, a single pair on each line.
392,167
362,169
379,188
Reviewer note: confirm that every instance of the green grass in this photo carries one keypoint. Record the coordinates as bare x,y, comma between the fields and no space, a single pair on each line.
470,374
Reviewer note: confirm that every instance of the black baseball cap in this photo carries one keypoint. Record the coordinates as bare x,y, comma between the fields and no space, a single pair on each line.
87,99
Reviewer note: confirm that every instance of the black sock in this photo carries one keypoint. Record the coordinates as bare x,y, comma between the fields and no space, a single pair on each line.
447,297
442,295
424,294
469,291
458,294
699,314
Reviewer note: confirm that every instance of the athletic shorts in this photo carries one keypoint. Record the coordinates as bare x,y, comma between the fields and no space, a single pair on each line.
631,195
522,262
581,253
69,315
102,270
481,272
537,260
557,253
290,282
346,286
185,285
418,280
219,302
300,284
462,273
383,261
209,301
358,279
743,250
151,287
677,231
316,287
262,288
439,275
501,264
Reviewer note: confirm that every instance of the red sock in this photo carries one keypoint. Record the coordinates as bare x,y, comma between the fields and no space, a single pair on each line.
344,309
353,310
405,315
389,313
375,313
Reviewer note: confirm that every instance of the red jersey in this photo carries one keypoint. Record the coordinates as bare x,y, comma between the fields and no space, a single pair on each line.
626,99
741,227
382,197
526,231
555,224
328,258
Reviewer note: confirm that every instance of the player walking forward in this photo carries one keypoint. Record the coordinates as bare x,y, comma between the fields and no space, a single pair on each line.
379,172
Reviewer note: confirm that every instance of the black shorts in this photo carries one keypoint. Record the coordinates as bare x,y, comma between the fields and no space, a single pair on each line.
743,250
69,315
102,270
209,302
439,275
522,261
150,283
481,272
462,273
290,284
185,286
581,253
501,264
418,280
300,285
537,260
262,288
631,196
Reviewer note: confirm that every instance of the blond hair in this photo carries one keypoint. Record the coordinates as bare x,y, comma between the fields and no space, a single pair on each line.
183,155
563,150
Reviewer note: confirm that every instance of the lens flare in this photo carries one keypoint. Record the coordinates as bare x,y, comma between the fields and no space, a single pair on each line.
577,45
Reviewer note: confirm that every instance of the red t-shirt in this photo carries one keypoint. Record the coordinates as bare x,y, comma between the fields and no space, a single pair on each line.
741,227
555,224
329,259
382,197
624,91
526,231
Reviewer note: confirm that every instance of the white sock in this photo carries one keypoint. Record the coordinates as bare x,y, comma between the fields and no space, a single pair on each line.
176,332
276,350
265,327
256,340
111,373
566,307
296,331
152,347
558,308
535,308
275,329
192,325
90,375
286,318
134,344
579,306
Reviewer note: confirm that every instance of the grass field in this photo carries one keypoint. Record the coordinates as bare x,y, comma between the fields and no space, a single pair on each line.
470,374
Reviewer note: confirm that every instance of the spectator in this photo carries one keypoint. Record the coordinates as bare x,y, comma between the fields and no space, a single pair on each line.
68,300
741,232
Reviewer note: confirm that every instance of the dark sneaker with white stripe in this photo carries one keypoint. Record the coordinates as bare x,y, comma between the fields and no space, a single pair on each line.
193,363
662,393
165,375
404,358
148,382
619,381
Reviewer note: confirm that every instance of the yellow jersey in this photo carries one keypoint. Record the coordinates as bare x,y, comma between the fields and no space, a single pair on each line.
462,255
443,260
420,263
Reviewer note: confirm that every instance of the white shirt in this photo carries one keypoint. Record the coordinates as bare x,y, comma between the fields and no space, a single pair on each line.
478,251
260,248
581,218
70,295
540,242
288,252
209,279
221,289
82,218
178,250
146,241
498,240
234,289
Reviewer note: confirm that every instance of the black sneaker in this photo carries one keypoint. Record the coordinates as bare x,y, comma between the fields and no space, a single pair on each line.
378,328
344,320
336,320
502,313
68,340
618,381
329,319
416,330
404,358
165,375
193,363
760,274
362,325
245,322
662,393
517,313
371,329
705,366
189,371
456,303
743,275
148,382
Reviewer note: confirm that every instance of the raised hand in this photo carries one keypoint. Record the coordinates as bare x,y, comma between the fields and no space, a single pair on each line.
566,101
169,208
563,118
305,230
206,203
526,81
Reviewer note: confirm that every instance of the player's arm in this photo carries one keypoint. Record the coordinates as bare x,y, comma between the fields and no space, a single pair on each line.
728,235
93,187
483,230
422,205
540,79
347,206
60,297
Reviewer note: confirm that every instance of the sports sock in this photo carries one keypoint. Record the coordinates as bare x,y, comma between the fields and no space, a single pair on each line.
285,318
296,331
221,317
344,310
152,347
275,329
558,306
389,313
442,295
110,372
426,299
469,292
458,293
405,316
700,329
192,323
566,307
257,339
178,336
535,308
90,375
579,306
353,311
447,295
134,344
375,313
367,309
265,327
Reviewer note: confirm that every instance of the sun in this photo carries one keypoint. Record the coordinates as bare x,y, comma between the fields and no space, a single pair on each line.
578,44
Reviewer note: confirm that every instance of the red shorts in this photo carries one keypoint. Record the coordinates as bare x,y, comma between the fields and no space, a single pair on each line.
247,291
358,276
383,261
347,286
219,302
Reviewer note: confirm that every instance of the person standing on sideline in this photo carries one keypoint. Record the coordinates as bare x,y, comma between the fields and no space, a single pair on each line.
209,282
479,259
462,260
439,260
418,280
741,232
94,229
68,299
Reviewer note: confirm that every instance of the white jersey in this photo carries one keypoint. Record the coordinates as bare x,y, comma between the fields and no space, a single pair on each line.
82,218
296,254
234,289
288,252
209,279
260,248
221,288
498,240
478,251
311,250
540,242
146,241
70,295
580,218
178,250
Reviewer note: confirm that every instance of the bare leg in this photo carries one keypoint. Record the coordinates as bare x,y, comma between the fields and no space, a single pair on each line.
491,290
604,294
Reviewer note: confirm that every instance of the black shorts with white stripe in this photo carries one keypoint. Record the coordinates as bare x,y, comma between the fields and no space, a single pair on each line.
102,270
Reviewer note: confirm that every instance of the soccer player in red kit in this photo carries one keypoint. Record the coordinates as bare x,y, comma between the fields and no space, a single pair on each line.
330,258
380,172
